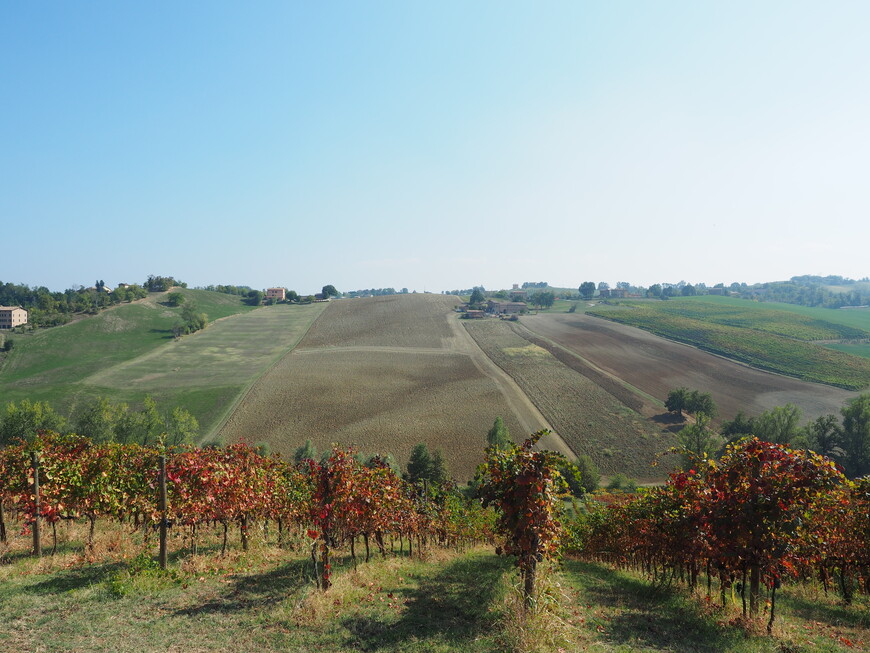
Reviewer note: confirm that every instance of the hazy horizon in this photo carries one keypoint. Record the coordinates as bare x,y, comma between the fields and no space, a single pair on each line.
433,147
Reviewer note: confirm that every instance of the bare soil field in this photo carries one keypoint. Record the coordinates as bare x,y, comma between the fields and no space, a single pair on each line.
411,320
370,374
379,402
589,418
655,366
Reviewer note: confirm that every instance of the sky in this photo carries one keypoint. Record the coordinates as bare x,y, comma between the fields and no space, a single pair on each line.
433,145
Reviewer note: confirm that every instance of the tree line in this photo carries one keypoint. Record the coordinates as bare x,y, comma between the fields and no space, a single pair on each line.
844,439
100,420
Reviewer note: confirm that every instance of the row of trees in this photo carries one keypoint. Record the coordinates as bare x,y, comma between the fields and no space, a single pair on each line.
844,439
101,421
46,308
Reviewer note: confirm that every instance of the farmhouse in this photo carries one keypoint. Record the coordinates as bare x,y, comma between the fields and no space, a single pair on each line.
12,316
473,314
506,308
276,293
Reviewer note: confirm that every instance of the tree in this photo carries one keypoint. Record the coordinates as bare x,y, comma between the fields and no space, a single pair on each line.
855,440
477,297
589,474
676,401
826,436
420,463
438,468
654,290
700,402
498,436
780,425
587,289
255,297
175,298
582,477
292,296
698,441
24,420
543,298
306,452
193,321
688,290
181,427
329,291
96,419
603,285
739,426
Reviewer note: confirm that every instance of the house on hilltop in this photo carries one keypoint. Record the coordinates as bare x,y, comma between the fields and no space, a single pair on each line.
278,294
12,316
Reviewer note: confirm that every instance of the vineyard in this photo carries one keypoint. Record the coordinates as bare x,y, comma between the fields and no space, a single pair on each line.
762,516
399,567
769,340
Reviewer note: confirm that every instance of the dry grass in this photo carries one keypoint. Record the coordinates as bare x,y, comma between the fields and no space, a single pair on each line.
591,420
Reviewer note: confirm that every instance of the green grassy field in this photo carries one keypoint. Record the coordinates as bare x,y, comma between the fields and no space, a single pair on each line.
855,318
129,352
751,333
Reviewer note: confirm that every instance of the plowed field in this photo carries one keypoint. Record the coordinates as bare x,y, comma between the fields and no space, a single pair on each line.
383,374
590,419
656,365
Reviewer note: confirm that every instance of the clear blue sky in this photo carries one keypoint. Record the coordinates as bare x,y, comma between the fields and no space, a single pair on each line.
433,145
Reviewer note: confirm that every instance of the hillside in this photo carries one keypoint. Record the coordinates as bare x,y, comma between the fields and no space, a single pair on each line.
127,352
769,339
383,374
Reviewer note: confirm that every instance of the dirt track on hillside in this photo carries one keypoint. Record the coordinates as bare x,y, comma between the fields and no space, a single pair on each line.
655,366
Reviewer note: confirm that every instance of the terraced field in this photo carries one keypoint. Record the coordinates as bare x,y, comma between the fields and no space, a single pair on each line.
370,374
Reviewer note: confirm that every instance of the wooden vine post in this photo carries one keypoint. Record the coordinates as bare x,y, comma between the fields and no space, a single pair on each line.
162,509
37,539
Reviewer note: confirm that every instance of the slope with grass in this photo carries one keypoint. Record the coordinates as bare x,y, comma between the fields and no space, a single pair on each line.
128,352
768,339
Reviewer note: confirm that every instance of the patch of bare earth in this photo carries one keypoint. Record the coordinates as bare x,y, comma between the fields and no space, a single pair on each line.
589,418
655,366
